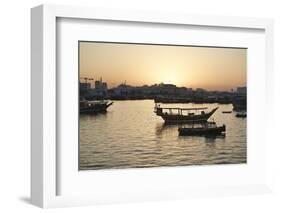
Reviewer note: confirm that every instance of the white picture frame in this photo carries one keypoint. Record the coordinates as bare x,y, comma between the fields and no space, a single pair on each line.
44,135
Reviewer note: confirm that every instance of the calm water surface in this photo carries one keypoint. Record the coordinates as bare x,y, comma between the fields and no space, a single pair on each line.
130,135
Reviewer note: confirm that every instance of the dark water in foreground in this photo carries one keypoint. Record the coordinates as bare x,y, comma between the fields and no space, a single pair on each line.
130,135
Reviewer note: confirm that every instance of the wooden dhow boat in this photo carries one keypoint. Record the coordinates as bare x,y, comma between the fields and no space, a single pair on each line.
94,107
173,115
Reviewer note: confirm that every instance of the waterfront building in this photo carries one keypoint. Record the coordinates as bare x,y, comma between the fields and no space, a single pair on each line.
100,89
85,86
100,85
242,90
200,90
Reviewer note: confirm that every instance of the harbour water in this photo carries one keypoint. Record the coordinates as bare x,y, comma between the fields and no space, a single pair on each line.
130,135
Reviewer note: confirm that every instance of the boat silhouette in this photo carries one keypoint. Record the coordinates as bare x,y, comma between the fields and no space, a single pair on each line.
209,129
94,107
173,115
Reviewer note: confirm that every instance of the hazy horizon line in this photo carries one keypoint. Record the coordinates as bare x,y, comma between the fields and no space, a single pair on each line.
115,85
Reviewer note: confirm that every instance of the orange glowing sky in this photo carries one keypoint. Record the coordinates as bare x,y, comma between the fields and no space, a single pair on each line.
139,64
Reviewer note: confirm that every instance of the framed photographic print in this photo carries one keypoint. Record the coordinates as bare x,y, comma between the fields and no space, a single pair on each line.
146,105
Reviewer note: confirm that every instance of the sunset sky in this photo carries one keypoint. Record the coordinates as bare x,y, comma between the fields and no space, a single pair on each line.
140,64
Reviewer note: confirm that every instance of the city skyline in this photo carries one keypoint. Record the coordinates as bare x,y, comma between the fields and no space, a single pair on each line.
210,68
92,85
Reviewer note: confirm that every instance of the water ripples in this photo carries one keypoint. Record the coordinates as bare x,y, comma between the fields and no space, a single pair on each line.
130,135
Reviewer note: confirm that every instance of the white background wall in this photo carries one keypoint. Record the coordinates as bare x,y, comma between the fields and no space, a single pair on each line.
15,99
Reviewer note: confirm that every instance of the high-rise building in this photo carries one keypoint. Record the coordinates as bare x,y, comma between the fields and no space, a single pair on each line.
100,85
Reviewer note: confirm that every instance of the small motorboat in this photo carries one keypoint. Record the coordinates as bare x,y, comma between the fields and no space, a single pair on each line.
207,129
241,115
226,111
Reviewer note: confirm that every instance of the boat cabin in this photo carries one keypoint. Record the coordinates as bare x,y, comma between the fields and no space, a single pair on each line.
179,111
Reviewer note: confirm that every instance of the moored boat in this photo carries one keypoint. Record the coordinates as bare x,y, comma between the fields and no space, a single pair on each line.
226,111
93,107
241,115
183,115
208,129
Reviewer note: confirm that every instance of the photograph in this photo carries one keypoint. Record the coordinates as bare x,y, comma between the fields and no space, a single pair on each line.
147,105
